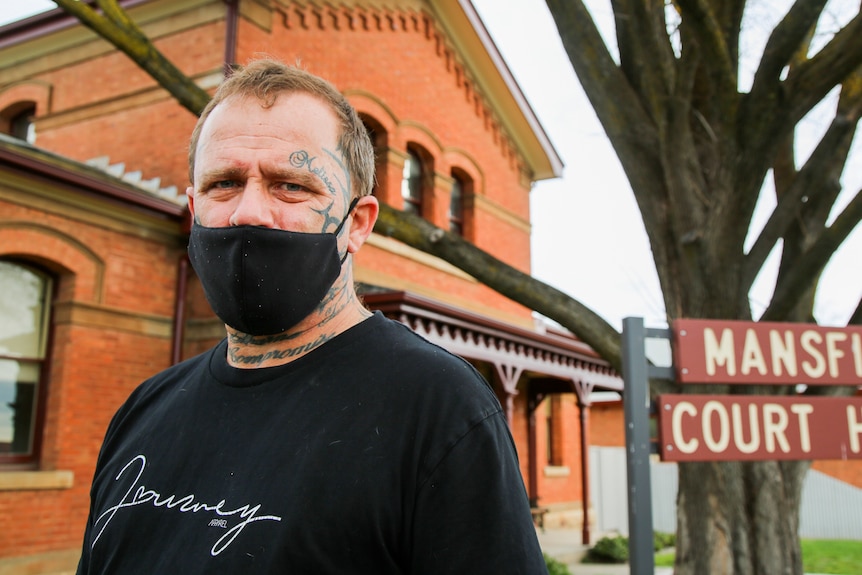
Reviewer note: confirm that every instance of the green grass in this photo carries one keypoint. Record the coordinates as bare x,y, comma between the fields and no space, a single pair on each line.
830,556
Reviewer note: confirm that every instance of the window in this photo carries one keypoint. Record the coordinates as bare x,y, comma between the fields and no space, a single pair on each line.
379,139
456,206
24,310
461,204
17,121
21,125
411,183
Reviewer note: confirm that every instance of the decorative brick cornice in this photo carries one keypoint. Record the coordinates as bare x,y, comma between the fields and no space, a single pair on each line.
353,16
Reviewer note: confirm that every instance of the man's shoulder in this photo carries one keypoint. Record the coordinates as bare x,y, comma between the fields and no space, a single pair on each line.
169,378
402,347
404,339
399,359
183,368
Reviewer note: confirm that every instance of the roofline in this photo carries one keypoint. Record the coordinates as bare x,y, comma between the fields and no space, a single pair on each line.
47,22
556,163
35,162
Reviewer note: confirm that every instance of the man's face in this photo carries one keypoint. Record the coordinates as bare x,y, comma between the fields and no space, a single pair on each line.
277,167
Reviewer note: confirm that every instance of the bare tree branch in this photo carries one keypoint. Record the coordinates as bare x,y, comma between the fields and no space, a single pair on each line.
629,127
819,173
712,42
117,28
769,113
806,270
808,83
784,43
512,283
646,57
818,180
620,110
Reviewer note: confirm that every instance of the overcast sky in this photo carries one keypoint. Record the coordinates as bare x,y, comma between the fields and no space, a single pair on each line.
588,238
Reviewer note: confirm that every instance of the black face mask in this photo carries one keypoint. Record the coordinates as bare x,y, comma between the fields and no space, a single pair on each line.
263,281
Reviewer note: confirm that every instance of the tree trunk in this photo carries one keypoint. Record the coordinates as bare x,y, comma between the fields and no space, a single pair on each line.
739,517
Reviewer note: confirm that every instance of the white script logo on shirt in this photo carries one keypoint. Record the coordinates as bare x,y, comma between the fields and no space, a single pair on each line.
138,494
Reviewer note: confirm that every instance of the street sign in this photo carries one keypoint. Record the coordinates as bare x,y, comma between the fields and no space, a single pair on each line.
733,352
747,427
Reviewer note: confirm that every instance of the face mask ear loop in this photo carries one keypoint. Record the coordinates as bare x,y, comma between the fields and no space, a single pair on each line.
338,229
350,209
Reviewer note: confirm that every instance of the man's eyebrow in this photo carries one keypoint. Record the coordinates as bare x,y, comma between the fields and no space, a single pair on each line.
300,176
221,174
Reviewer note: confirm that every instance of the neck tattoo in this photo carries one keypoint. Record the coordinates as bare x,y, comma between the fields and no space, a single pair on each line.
242,357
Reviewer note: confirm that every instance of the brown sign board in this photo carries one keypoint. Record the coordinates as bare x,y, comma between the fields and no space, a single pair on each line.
747,427
713,351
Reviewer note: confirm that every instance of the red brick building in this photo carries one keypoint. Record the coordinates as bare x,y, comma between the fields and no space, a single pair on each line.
95,290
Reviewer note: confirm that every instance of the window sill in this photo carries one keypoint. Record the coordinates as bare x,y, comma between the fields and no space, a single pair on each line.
33,480
557,471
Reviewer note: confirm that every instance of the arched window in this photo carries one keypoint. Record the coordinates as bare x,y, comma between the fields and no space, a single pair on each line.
411,183
460,201
21,125
456,207
24,312
380,141
19,121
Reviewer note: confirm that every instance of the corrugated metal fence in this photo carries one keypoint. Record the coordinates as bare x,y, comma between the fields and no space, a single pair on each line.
830,509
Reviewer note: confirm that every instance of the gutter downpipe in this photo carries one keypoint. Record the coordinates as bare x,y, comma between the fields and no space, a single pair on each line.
230,36
180,309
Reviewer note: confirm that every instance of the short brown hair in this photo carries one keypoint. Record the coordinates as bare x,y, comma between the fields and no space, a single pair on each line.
266,79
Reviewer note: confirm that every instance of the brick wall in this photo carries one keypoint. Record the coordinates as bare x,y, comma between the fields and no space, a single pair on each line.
110,330
607,424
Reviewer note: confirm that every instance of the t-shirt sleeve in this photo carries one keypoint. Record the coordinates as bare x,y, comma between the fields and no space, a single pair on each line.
472,512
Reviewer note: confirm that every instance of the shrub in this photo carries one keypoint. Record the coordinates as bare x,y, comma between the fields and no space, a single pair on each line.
609,550
616,549
664,540
556,567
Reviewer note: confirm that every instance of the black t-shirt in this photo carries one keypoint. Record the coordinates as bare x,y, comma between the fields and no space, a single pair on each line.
376,453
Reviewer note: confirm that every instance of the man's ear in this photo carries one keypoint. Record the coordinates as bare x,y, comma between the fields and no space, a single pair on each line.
362,222
190,194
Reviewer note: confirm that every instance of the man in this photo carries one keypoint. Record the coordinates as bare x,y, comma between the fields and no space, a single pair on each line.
317,438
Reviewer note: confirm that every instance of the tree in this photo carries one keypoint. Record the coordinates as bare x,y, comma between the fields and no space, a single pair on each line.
697,151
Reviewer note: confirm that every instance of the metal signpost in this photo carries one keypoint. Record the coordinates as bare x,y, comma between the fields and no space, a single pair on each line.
636,406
